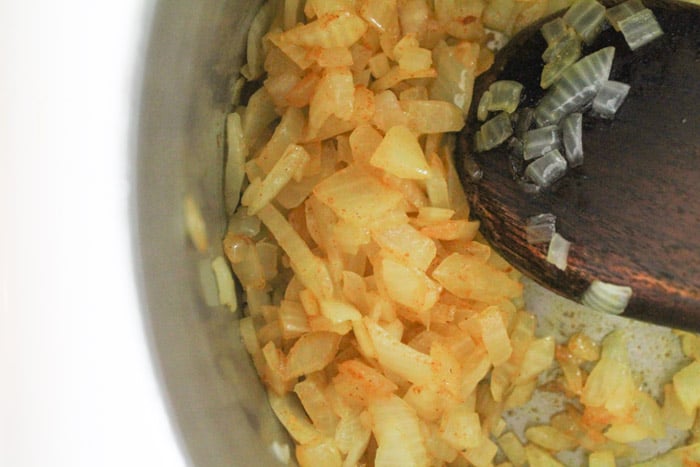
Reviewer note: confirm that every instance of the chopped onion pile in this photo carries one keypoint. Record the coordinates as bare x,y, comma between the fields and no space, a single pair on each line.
575,85
385,331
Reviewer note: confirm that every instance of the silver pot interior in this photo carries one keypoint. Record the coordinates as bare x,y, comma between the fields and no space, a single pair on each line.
218,407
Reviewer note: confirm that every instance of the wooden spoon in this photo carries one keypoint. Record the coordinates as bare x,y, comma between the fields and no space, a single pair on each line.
632,211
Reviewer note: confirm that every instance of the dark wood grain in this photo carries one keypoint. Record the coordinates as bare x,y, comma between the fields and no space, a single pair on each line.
632,210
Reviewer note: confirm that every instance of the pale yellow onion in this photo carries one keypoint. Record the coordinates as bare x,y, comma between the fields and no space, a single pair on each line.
396,428
400,154
195,224
407,245
356,196
430,116
311,393
292,160
397,356
338,29
311,270
236,155
312,352
320,452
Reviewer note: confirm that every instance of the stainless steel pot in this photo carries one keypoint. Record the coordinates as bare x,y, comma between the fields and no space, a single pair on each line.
195,48
218,406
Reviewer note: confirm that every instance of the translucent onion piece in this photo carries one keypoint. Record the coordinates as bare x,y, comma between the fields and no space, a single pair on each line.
540,228
293,159
572,135
254,48
356,196
236,155
563,55
540,141
576,86
601,459
606,297
505,96
555,49
558,252
547,169
586,17
494,132
524,118
310,269
685,384
482,111
609,98
554,31
195,224
431,116
207,282
400,154
623,10
241,223
397,429
225,283
640,28
339,29
456,70
259,113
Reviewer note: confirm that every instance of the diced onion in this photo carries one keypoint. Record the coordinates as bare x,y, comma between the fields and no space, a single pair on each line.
512,448
558,252
601,459
540,141
623,10
494,132
338,29
586,17
195,224
609,98
456,70
400,154
505,96
550,438
524,119
554,31
685,384
254,54
640,28
537,456
207,282
397,429
224,282
606,297
560,57
555,49
547,169
482,111
540,228
236,156
572,135
577,86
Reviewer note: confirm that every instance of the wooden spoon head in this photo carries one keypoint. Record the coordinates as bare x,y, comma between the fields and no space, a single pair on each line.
632,211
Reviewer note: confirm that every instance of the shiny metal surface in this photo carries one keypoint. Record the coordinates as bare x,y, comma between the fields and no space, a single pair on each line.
217,403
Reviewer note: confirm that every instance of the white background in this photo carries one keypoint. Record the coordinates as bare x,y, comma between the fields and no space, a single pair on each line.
77,386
